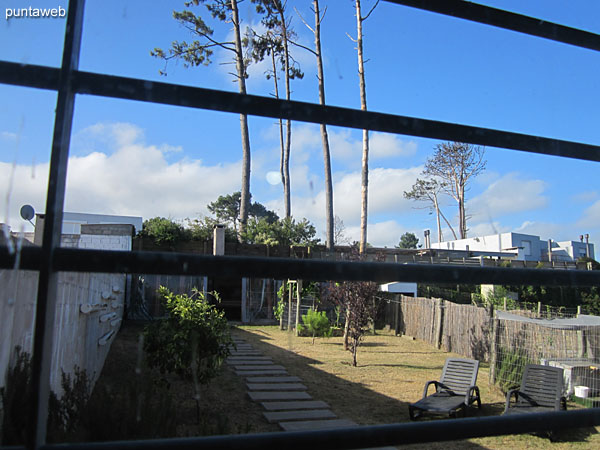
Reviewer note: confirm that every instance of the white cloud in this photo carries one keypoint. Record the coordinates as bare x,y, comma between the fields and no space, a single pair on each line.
8,136
546,230
385,145
380,234
591,216
386,187
511,193
129,178
585,197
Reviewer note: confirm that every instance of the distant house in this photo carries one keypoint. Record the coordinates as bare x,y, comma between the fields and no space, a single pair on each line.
525,247
97,231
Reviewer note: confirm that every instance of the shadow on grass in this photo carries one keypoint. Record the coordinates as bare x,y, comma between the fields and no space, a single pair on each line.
349,400
404,366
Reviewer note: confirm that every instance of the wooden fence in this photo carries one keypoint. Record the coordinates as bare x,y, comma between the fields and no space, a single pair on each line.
463,329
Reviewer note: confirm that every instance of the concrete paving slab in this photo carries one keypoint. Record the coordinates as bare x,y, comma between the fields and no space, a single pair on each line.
273,417
289,405
260,362
273,379
249,373
249,358
294,395
258,367
276,386
304,425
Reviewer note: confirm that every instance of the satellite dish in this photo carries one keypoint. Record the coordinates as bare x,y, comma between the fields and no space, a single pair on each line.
27,212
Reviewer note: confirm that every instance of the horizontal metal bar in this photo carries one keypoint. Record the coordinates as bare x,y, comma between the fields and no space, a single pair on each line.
368,436
507,20
171,94
29,75
194,97
83,260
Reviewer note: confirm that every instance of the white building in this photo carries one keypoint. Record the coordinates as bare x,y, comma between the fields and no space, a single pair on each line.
525,247
93,231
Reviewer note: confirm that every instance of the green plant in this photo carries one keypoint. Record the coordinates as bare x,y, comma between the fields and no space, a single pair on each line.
338,311
16,399
192,341
316,323
66,414
164,231
509,368
279,308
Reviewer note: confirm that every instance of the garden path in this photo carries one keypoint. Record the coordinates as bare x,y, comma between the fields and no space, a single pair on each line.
284,397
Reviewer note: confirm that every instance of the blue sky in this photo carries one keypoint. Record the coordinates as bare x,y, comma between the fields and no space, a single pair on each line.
133,158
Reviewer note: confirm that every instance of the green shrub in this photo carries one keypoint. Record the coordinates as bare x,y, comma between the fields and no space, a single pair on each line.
193,340
509,368
316,323
279,308
139,408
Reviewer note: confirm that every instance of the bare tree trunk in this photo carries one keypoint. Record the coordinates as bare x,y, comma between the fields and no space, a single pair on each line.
462,215
241,75
288,140
364,191
282,157
324,138
437,216
346,328
449,225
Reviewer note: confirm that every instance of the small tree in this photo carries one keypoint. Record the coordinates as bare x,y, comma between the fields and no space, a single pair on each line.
429,191
316,323
192,341
164,231
281,232
358,298
408,240
227,209
455,164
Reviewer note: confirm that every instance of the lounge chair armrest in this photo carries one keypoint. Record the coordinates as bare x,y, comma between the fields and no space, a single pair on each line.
472,395
429,383
509,394
563,403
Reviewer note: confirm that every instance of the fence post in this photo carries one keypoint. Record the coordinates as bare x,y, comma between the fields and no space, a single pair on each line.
289,321
494,348
396,314
244,301
539,309
440,324
298,301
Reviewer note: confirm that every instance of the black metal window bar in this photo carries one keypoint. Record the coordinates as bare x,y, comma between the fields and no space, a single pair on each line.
48,260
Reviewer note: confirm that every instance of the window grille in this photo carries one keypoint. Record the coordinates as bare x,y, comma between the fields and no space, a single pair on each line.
48,260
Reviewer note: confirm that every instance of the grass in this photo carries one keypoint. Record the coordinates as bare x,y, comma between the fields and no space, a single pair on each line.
224,406
391,373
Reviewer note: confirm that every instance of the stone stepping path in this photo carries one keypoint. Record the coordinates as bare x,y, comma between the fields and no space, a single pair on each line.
280,416
284,397
269,366
294,395
305,425
276,387
305,404
253,373
273,379
250,362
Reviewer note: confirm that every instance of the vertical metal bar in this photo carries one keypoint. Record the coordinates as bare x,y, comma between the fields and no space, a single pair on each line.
47,285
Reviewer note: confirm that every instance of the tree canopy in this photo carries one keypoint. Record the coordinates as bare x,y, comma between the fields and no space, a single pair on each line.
408,240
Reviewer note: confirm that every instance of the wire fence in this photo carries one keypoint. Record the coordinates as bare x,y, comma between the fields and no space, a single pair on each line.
508,340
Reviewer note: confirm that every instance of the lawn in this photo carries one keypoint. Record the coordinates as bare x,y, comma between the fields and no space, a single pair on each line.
391,373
